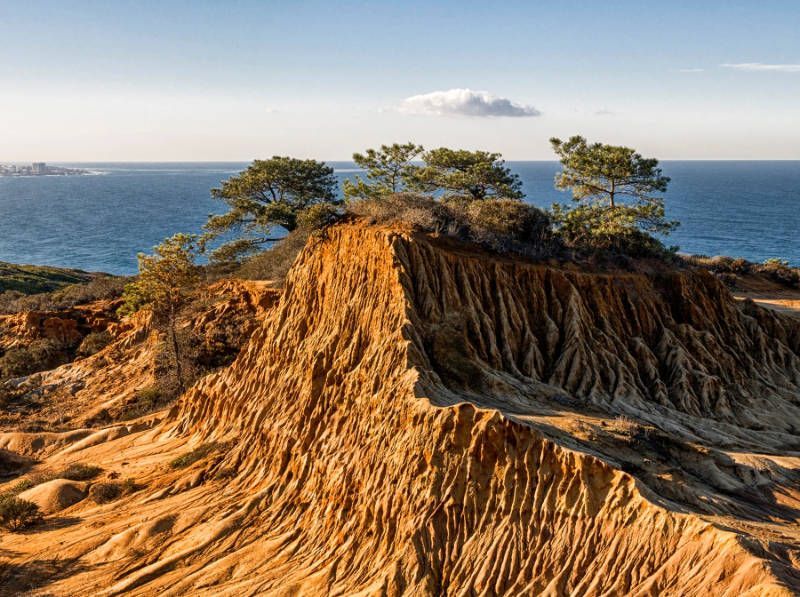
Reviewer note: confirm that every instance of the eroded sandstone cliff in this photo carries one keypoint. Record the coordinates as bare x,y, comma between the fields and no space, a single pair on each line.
417,417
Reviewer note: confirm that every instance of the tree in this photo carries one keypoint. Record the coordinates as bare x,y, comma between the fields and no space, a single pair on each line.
469,174
389,170
614,187
163,284
268,193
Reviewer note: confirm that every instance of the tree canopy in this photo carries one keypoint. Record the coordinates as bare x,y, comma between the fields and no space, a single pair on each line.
164,277
389,170
615,188
467,174
268,193
164,281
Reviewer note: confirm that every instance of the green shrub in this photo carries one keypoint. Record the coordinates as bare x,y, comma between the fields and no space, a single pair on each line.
318,217
589,229
16,514
98,288
146,401
503,225
17,488
31,279
79,472
721,264
420,211
108,491
39,355
101,493
94,343
274,263
509,225
195,455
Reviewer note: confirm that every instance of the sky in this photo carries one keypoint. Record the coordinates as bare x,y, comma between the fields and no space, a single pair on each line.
237,80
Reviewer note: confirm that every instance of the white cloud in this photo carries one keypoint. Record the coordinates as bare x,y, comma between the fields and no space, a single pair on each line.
761,67
691,70
465,102
603,112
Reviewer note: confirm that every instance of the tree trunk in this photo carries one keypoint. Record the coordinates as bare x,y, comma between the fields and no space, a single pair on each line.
173,336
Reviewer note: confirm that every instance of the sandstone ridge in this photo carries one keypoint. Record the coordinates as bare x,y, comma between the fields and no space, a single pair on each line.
418,417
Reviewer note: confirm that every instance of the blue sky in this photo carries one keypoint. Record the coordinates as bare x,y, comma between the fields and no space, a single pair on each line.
236,80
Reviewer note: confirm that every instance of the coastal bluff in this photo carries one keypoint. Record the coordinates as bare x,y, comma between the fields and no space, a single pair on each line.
413,415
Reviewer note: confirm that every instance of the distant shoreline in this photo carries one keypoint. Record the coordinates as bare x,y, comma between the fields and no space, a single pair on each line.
38,169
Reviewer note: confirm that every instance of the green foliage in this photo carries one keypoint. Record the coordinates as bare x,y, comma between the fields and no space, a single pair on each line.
79,472
145,401
613,187
589,227
17,488
728,269
605,173
39,355
469,174
17,514
164,277
73,472
509,225
502,225
776,262
94,343
274,263
108,491
31,279
269,193
318,217
164,282
102,493
389,170
195,455
99,287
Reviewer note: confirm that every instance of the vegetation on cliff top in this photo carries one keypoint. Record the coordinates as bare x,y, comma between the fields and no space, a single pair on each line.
99,287
30,279
468,194
267,194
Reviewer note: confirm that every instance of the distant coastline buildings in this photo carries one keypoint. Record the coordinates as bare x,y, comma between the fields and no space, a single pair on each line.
39,169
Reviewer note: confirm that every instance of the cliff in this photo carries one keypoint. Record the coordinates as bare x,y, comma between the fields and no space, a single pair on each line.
417,417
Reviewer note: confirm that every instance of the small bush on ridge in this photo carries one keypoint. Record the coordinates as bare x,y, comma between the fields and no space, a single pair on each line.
145,401
198,453
39,355
17,514
108,491
502,225
94,343
79,472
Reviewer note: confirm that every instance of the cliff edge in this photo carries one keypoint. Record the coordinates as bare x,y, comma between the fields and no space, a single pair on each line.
417,417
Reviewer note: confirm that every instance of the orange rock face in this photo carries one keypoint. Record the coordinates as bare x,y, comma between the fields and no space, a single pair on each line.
418,418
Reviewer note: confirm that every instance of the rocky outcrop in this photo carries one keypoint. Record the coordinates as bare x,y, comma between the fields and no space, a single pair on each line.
64,328
386,409
416,417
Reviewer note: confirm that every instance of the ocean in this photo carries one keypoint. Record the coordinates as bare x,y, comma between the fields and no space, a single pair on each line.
100,222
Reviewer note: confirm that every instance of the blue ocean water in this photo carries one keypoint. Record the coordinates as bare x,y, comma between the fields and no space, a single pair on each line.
99,223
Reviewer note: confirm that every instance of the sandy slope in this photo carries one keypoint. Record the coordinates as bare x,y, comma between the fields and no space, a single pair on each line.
416,418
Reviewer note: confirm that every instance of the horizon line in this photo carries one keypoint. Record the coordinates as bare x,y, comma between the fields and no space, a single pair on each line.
229,161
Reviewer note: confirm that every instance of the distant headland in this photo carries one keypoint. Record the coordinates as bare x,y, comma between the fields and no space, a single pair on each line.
39,169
